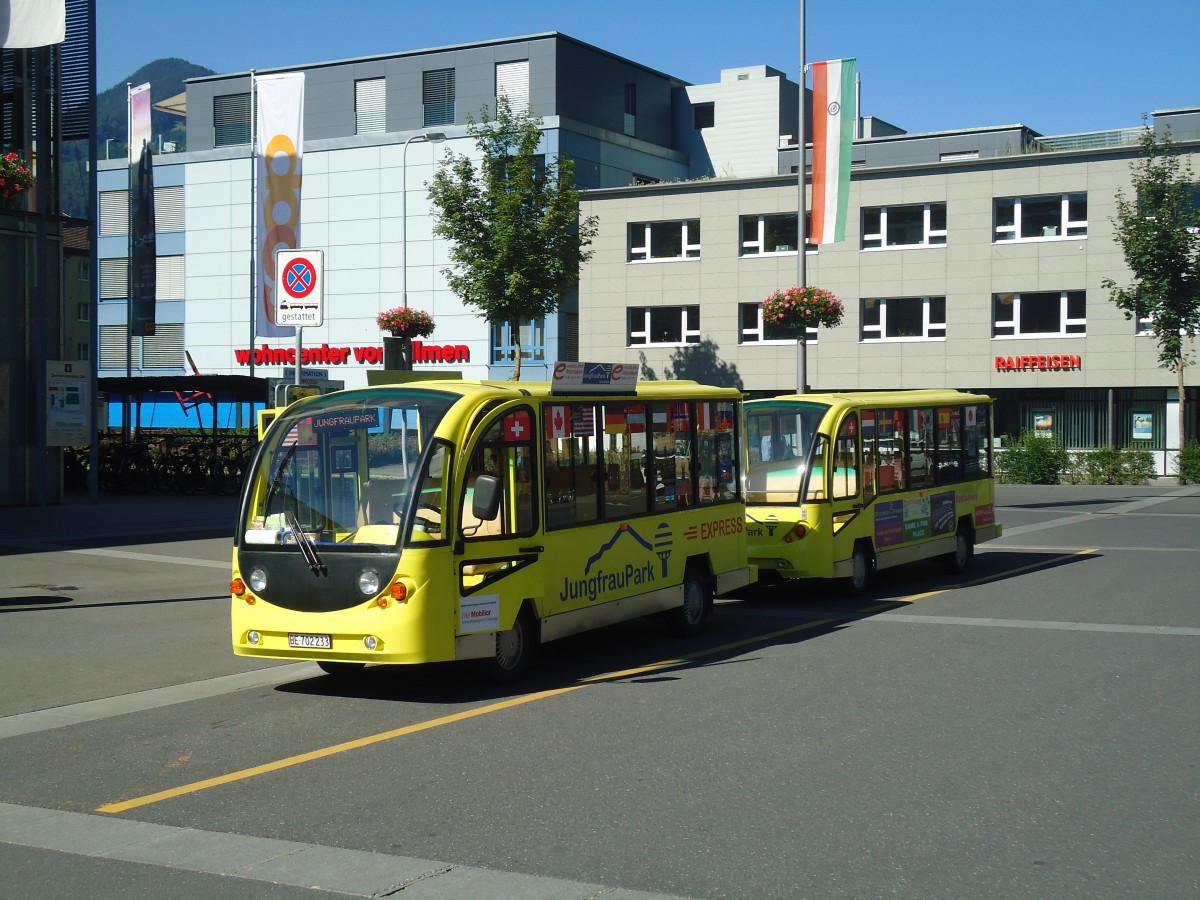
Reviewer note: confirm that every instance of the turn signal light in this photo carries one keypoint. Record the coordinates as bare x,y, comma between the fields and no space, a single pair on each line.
399,592
237,587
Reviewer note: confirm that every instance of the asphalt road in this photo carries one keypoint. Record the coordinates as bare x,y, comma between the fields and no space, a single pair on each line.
1029,730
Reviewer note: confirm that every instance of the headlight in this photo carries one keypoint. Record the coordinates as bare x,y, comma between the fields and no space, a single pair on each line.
368,582
258,580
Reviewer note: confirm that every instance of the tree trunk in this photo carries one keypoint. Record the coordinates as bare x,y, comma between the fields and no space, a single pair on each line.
1179,368
516,337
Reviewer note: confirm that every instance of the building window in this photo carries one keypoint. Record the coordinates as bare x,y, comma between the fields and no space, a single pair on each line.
533,341
83,312
664,240
773,233
512,83
1041,218
114,278
903,319
904,226
1039,314
370,105
114,212
704,115
755,331
631,109
168,208
664,325
168,278
437,95
231,120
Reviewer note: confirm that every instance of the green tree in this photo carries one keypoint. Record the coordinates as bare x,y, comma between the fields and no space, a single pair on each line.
1159,231
516,240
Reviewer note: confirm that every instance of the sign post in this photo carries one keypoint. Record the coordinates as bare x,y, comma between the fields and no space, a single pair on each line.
302,292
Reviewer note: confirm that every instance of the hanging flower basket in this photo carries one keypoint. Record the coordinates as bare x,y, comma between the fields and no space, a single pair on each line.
406,323
801,308
15,179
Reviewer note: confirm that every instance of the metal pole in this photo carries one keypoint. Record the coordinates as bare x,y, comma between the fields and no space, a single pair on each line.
93,475
253,225
429,137
801,216
128,406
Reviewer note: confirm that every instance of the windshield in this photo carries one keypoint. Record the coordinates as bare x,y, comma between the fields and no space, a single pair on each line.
784,441
340,470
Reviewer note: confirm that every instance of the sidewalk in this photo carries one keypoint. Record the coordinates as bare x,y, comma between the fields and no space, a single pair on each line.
120,515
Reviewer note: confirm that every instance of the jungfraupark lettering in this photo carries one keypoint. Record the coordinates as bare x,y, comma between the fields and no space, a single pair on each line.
607,582
337,356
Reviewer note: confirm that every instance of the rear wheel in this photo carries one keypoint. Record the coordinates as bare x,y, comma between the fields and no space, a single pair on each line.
964,551
697,604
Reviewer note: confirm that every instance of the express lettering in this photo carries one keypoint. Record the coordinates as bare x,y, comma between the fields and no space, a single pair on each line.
721,528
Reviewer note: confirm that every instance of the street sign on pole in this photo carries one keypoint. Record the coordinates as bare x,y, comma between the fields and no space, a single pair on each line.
300,296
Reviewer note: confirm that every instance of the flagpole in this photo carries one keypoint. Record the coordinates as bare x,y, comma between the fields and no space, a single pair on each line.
801,219
253,227
126,429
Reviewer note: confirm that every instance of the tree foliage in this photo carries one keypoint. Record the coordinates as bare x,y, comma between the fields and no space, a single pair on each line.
1159,231
516,241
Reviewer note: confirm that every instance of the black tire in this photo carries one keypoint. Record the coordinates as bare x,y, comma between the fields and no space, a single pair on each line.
341,669
692,617
860,575
964,551
515,649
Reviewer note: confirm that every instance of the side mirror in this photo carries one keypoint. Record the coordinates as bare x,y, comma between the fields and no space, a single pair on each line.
485,504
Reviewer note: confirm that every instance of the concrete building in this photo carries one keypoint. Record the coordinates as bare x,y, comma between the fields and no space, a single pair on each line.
972,259
374,130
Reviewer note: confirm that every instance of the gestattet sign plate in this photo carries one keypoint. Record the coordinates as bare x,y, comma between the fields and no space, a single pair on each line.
299,288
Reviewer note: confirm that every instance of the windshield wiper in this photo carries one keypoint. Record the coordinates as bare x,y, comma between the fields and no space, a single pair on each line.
309,552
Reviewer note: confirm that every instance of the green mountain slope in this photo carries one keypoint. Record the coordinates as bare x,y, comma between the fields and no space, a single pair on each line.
166,77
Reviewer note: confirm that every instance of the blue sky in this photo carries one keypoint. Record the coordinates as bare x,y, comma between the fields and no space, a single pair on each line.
1058,66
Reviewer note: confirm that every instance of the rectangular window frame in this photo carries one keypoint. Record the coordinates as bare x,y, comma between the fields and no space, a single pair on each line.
231,120
1068,227
437,97
512,83
533,341
642,237
370,105
874,324
641,322
876,235
754,234
1007,314
752,329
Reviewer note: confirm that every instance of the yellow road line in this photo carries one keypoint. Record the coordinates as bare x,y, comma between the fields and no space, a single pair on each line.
277,765
312,755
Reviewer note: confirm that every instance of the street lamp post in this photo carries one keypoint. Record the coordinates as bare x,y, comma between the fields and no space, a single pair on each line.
430,137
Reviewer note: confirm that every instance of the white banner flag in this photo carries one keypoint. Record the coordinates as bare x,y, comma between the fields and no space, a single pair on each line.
32,23
279,151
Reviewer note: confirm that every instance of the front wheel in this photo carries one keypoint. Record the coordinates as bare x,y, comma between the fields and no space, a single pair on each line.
340,669
860,571
514,649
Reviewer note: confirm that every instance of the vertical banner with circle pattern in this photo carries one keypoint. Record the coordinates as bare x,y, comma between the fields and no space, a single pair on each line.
278,148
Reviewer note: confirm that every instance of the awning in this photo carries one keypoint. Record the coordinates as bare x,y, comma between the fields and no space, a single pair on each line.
176,106
228,388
